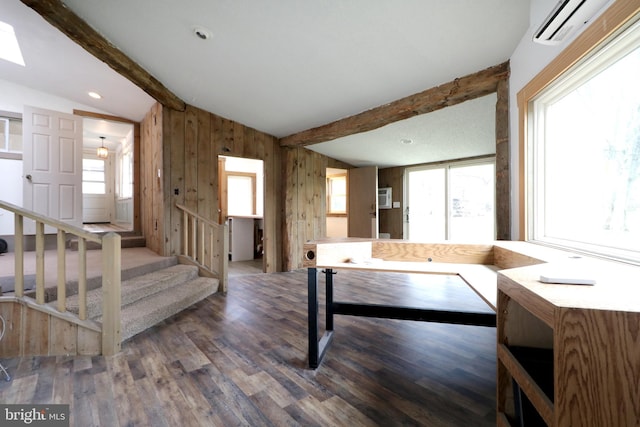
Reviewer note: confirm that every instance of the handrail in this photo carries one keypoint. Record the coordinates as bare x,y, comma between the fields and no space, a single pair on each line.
199,235
200,217
64,226
111,275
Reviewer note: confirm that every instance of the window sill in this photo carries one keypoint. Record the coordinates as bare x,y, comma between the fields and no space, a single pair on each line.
11,156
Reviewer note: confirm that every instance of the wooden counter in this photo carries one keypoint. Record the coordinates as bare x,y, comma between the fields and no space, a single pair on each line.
570,351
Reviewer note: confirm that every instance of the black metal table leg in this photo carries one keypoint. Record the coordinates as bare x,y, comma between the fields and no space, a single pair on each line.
312,284
329,297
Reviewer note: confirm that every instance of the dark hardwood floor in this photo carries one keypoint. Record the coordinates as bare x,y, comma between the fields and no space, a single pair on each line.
240,360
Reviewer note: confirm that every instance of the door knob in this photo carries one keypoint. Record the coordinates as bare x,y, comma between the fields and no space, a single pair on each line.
28,177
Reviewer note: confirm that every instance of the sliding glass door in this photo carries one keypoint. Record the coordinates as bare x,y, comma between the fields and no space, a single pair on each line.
452,201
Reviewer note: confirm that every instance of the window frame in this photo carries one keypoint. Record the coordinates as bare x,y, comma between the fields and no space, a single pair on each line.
612,22
94,181
6,154
329,212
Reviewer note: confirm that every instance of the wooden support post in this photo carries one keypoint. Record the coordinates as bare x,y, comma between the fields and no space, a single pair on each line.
201,243
223,269
19,254
62,272
111,299
193,234
185,233
39,262
82,278
211,248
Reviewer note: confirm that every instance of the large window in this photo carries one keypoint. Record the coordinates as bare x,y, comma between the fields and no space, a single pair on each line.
584,154
451,201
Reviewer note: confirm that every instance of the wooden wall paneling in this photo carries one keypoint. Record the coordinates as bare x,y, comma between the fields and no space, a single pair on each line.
277,203
192,141
64,336
36,332
259,141
228,147
153,162
205,169
191,159
11,344
89,342
273,203
151,145
308,200
503,176
290,224
302,209
175,145
214,157
206,190
238,139
320,196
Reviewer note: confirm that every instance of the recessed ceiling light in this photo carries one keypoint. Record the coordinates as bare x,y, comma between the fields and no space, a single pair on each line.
406,141
95,95
202,33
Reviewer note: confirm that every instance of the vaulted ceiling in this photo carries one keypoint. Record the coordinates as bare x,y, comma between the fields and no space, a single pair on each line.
281,67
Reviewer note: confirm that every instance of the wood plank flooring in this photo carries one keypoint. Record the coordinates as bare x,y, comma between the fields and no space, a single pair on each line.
240,360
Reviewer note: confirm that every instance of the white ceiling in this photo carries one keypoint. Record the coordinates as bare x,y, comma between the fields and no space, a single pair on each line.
280,67
457,132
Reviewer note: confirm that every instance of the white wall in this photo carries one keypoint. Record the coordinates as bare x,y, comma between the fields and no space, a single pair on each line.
337,226
10,191
526,62
14,98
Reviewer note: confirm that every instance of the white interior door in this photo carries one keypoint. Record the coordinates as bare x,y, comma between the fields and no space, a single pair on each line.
52,165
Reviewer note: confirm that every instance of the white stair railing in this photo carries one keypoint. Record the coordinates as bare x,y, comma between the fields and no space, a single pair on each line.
207,243
111,262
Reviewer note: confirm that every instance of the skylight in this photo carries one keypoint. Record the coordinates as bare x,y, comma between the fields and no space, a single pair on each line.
9,48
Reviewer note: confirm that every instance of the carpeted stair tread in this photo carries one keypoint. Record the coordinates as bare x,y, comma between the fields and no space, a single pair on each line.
137,288
148,311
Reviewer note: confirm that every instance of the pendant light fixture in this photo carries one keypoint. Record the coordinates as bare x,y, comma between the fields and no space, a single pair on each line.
103,153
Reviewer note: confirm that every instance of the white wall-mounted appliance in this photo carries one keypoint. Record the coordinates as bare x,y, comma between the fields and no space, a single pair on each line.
384,198
565,18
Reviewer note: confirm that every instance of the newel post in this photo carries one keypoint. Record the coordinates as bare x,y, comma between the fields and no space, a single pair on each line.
111,334
224,259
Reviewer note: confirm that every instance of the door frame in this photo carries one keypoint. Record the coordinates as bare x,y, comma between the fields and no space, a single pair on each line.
447,165
137,225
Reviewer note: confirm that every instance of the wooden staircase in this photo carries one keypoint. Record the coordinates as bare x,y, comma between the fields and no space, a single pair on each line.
118,311
149,298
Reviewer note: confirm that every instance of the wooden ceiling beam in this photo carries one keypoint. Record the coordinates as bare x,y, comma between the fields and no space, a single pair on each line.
65,20
459,90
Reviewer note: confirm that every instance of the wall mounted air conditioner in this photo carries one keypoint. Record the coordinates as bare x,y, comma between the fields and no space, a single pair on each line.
384,198
565,18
